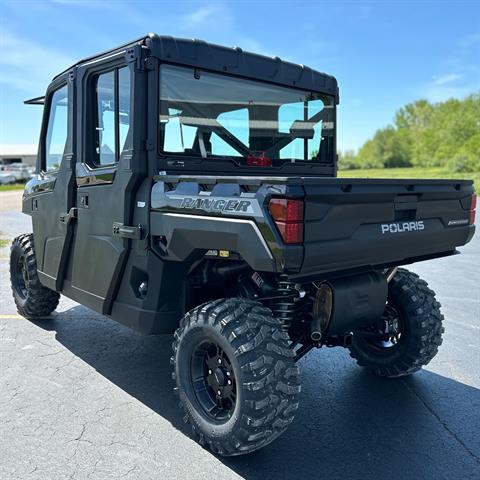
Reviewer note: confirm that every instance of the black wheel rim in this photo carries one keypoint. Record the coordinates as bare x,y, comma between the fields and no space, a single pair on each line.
389,331
213,381
21,277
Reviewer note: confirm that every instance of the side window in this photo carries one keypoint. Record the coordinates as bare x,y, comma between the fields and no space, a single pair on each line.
106,148
124,106
112,118
57,129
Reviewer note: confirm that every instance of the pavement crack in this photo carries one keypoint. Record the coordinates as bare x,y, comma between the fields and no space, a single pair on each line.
79,437
443,423
33,471
128,471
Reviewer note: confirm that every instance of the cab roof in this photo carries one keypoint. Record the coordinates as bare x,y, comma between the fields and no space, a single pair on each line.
233,61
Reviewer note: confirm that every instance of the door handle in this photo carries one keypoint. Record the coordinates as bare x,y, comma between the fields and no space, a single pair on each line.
71,215
126,231
84,201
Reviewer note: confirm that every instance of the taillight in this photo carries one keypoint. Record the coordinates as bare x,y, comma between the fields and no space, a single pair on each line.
258,159
288,216
473,206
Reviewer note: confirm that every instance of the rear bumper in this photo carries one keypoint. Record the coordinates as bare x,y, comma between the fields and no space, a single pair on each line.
368,249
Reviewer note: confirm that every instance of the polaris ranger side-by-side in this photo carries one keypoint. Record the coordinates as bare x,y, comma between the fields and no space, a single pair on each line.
189,188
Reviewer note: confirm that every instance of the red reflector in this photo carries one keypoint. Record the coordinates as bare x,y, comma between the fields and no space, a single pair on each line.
291,232
473,205
286,209
288,216
258,159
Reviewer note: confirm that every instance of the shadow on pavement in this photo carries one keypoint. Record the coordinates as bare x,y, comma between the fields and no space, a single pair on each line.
349,424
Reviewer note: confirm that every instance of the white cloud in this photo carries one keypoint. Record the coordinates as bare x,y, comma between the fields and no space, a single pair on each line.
442,93
201,15
250,45
446,79
464,76
448,86
216,23
27,65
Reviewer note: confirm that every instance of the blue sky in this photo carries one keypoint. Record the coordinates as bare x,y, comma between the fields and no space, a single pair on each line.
383,53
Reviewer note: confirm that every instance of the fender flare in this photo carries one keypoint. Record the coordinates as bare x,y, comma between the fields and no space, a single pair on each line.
184,234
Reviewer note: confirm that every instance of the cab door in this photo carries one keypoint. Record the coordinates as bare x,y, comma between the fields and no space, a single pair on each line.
50,197
106,182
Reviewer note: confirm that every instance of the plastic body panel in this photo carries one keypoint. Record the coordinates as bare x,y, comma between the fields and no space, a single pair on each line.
372,223
186,235
239,218
350,225
50,195
198,53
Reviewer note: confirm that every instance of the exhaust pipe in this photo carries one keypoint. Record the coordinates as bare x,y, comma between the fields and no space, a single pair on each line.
391,273
322,311
345,304
358,301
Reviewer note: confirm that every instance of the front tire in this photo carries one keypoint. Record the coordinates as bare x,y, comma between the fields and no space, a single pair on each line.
33,300
409,333
235,375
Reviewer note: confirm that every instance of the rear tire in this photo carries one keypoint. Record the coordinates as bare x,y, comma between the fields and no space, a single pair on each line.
419,334
251,398
33,300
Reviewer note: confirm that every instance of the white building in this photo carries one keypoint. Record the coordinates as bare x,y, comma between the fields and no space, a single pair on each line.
26,154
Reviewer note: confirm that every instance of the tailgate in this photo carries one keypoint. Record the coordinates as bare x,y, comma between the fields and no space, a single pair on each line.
352,223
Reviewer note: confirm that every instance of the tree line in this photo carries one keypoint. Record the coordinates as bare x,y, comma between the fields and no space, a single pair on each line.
424,134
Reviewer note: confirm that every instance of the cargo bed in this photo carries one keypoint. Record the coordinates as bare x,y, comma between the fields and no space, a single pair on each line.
349,224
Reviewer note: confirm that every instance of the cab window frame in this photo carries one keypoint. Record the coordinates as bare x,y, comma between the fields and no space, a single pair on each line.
182,158
44,148
92,157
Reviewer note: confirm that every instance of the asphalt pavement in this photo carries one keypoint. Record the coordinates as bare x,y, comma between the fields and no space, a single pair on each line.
82,397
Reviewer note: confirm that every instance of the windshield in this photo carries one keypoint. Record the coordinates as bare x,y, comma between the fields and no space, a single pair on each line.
204,114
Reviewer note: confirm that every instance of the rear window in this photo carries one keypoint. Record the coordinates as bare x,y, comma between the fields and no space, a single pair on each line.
204,114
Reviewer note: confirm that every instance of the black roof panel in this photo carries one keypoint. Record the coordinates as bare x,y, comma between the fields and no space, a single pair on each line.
200,54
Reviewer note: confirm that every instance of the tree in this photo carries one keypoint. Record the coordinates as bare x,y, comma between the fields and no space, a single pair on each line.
426,135
346,160
389,148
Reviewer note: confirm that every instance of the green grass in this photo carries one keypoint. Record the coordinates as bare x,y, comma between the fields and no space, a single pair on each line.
15,186
4,243
437,172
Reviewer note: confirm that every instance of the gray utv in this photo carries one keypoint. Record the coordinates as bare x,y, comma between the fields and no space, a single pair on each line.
189,188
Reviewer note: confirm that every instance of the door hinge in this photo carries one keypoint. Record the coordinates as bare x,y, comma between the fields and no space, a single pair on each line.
130,55
125,231
71,215
149,63
72,75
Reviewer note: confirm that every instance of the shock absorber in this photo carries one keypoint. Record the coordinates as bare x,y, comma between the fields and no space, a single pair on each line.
283,307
